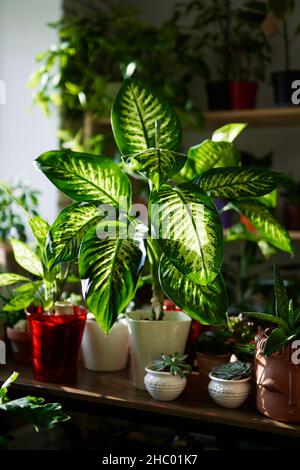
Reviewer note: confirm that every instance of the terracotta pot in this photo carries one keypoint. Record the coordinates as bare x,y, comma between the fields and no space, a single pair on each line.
291,216
243,94
20,345
278,382
205,364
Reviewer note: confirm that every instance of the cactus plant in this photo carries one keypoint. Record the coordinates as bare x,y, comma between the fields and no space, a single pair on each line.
174,363
232,370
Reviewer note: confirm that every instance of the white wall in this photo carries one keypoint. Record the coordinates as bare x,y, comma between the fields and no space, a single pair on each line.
24,134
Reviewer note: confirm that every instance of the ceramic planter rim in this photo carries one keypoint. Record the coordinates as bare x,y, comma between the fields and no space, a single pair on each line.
141,320
161,373
217,379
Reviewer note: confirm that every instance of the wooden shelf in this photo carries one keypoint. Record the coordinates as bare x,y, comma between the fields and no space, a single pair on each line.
264,117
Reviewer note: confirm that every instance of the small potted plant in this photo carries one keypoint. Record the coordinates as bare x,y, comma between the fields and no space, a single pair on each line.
54,327
229,384
18,335
277,362
291,206
283,80
165,378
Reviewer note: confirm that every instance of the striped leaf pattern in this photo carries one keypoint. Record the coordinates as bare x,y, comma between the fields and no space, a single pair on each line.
109,269
134,113
237,182
282,301
211,154
188,226
68,230
8,279
207,304
85,177
27,258
158,165
265,223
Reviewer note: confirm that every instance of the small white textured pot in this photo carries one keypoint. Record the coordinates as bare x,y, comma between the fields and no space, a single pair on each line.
149,339
102,352
229,393
163,386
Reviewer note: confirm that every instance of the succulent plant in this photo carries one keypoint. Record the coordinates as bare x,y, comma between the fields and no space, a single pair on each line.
232,370
175,363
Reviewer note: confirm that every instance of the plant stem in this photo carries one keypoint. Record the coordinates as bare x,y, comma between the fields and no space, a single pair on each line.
157,300
286,45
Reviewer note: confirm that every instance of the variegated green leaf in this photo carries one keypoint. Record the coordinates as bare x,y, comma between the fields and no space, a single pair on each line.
85,177
189,228
136,109
291,314
20,302
229,132
233,182
27,258
109,269
207,304
158,165
265,223
8,279
270,199
268,318
239,232
68,230
282,300
209,154
40,229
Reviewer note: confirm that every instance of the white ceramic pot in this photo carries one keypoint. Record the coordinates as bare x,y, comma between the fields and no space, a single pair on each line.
163,386
148,339
102,352
229,393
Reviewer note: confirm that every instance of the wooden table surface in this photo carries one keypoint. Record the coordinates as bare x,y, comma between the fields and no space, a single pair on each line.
114,391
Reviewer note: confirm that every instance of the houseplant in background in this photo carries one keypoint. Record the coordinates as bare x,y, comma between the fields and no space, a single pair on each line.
229,384
12,225
251,52
291,206
184,246
55,328
277,363
30,409
283,80
165,378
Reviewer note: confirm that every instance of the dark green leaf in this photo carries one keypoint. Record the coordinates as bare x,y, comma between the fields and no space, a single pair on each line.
85,177
68,230
136,109
109,268
269,318
206,304
275,341
189,229
209,154
158,165
265,223
282,301
233,183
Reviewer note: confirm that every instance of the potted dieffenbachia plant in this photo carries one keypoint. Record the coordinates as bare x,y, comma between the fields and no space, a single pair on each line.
278,358
180,232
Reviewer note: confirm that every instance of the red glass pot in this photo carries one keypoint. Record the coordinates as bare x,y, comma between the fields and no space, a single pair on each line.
56,342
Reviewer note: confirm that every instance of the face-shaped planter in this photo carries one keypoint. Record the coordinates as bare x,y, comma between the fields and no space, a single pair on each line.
278,382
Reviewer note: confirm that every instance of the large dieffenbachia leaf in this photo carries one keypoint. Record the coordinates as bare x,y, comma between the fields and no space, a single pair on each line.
229,132
209,154
158,165
68,230
85,177
188,226
8,279
265,223
237,182
109,269
207,304
135,111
